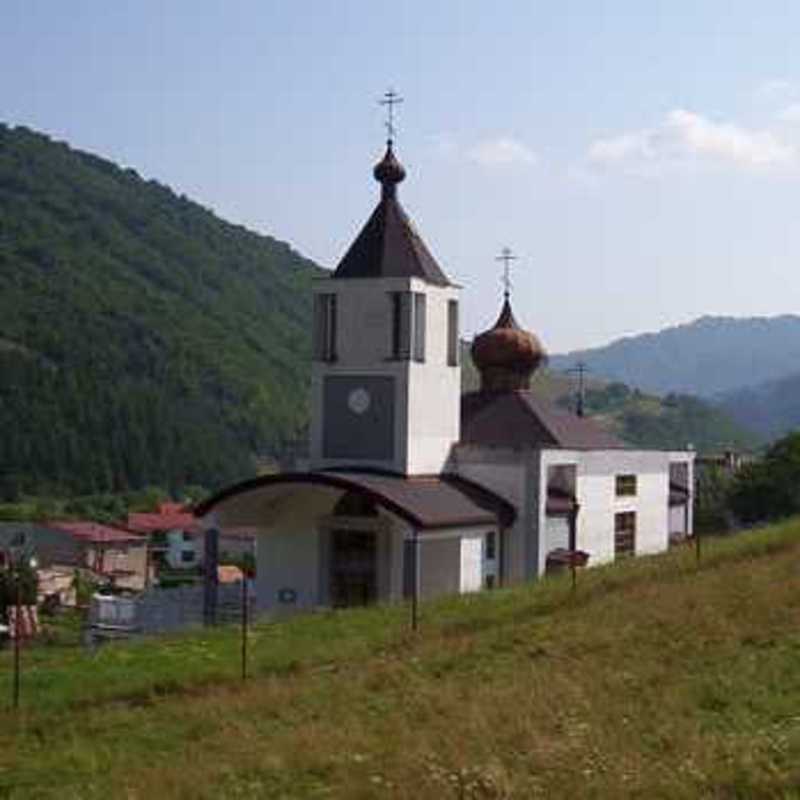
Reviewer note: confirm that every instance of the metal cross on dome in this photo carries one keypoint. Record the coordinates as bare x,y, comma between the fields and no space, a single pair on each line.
390,100
506,256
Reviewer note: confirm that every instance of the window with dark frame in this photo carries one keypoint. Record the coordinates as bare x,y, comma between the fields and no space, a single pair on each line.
420,320
452,333
626,485
408,326
491,546
187,556
624,534
325,323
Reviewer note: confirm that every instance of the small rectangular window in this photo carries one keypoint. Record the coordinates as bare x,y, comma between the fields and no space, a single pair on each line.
491,546
626,485
402,325
452,333
624,534
419,326
325,327
408,325
187,556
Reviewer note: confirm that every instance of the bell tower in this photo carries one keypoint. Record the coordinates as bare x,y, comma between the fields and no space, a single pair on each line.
386,377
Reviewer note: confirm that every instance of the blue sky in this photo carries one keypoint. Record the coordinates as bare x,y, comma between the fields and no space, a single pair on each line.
642,159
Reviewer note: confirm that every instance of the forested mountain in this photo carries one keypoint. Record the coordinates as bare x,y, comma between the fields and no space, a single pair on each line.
142,339
709,356
771,408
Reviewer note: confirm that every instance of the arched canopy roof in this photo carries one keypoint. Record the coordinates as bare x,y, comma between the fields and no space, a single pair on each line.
440,501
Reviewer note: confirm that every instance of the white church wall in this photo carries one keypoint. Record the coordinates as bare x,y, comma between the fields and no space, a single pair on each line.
427,394
556,533
506,473
434,390
472,563
287,567
439,572
677,519
596,494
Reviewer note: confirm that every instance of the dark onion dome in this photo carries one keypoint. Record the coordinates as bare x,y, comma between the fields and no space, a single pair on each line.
506,355
389,171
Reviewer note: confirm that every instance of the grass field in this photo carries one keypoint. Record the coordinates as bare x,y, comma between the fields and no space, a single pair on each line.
656,679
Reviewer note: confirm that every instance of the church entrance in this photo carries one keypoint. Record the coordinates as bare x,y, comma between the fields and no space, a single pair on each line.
353,567
354,552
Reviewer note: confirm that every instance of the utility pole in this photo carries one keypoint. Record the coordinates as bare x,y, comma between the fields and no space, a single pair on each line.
580,369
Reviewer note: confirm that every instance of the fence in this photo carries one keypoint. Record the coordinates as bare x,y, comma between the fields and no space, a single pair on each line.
161,610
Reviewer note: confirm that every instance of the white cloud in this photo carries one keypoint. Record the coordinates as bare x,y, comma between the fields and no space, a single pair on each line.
684,137
502,152
776,89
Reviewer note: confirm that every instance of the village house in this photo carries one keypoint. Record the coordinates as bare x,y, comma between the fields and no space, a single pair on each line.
109,554
176,538
415,490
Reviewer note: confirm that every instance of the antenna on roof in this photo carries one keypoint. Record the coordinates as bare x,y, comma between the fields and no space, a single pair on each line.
580,369
506,256
390,99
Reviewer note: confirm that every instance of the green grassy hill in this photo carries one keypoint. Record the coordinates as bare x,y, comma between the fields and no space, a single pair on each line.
142,339
658,678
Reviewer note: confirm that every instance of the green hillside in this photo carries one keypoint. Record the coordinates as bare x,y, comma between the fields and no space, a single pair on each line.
142,339
658,678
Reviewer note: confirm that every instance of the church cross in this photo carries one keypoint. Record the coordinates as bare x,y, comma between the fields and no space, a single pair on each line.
580,369
390,100
506,256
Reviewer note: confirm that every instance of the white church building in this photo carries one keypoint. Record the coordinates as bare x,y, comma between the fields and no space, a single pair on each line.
415,490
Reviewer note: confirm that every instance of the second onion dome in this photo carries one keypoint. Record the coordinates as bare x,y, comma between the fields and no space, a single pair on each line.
506,356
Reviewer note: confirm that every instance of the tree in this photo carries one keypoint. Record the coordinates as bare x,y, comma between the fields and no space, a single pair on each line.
770,488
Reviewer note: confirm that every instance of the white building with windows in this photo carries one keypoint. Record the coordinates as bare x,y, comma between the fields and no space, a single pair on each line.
416,490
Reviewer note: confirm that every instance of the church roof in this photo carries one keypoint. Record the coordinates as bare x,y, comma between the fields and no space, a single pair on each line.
436,501
519,419
389,245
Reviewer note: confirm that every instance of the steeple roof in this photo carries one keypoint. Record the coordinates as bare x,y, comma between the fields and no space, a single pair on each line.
389,245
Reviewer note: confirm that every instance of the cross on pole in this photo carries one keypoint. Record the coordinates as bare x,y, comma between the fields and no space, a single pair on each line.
390,100
580,369
506,256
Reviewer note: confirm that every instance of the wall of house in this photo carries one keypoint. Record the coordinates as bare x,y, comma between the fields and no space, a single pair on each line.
184,551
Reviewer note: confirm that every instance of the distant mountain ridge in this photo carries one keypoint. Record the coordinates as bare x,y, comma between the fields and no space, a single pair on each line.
771,409
708,357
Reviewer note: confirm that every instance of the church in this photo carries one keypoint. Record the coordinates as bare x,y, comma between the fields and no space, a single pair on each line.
414,490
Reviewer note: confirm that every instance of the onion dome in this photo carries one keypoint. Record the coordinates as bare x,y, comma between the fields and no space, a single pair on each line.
389,171
506,355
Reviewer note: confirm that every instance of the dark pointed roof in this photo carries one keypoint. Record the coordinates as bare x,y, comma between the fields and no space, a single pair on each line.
389,245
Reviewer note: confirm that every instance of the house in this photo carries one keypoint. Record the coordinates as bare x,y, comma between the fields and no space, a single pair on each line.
62,546
176,538
415,491
116,555
173,533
